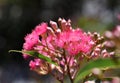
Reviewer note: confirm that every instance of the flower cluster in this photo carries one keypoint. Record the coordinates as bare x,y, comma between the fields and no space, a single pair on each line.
65,46
99,50
113,38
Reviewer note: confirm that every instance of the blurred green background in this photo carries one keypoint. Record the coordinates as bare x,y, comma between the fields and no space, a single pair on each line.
19,17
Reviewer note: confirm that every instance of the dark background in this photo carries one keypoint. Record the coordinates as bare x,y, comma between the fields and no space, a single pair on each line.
19,17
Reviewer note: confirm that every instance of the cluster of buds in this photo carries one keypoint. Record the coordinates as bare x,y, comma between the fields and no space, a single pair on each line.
113,39
99,50
65,46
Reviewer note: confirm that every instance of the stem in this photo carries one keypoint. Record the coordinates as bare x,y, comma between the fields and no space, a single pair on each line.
57,51
68,68
57,78
61,81
69,74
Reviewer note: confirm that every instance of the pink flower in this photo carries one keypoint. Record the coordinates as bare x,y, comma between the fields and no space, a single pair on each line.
47,46
34,64
30,41
41,29
62,38
75,35
49,42
73,48
74,41
86,44
25,56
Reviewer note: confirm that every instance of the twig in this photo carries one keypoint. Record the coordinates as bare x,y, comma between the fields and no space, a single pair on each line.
68,68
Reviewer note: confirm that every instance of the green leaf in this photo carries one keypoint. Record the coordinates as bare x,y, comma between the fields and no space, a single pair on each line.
99,63
36,54
15,51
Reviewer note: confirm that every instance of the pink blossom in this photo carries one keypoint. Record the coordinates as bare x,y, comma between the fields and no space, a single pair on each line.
46,47
40,29
75,35
34,64
74,41
73,48
25,56
30,41
49,42
85,46
62,39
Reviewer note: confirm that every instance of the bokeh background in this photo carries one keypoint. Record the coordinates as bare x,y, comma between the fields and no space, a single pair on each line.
19,17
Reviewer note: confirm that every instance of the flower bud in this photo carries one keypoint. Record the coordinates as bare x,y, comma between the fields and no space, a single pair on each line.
104,53
109,44
97,50
112,53
90,82
108,34
96,71
54,25
96,35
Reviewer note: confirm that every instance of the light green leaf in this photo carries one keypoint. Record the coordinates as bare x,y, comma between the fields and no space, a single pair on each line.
15,51
99,63
36,54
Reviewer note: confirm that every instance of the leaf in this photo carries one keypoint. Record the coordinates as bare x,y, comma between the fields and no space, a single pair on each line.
36,54
15,51
99,63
